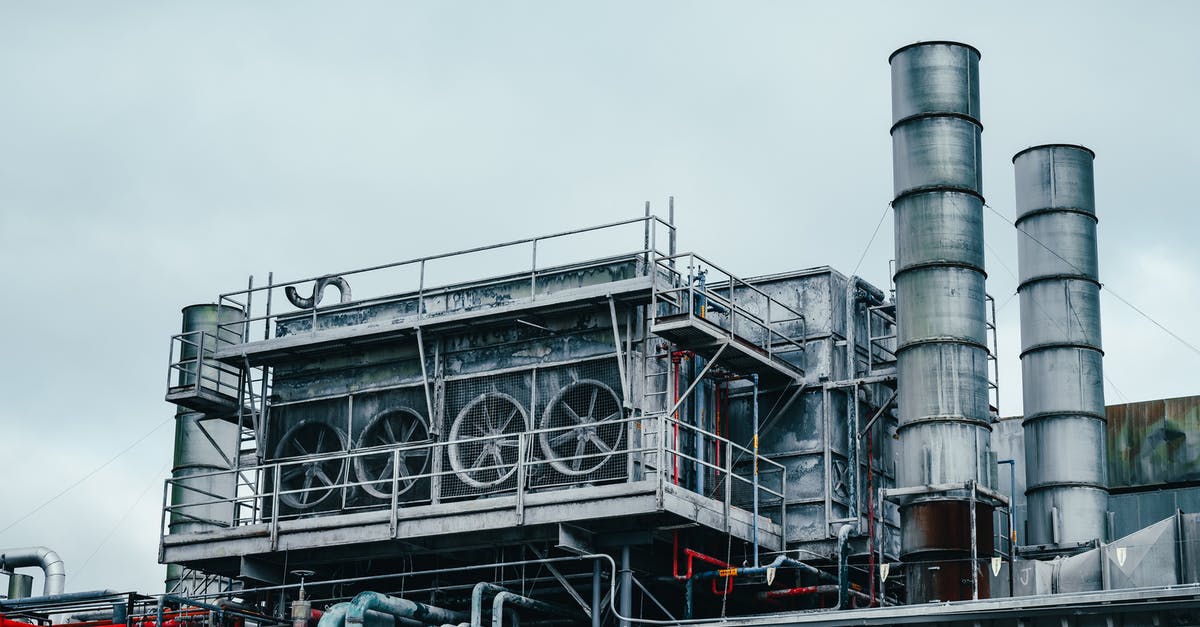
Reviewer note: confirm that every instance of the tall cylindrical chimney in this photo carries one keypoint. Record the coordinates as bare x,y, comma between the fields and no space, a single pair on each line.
942,352
1062,376
204,444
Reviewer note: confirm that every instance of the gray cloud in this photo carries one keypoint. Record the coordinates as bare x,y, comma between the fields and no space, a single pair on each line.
154,154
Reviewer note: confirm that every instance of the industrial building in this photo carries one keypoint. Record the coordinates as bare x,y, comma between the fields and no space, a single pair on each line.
644,437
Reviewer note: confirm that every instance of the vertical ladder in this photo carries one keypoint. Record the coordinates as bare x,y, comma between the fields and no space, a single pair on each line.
993,355
252,410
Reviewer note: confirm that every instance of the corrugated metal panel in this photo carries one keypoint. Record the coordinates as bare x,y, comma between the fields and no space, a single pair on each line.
1154,442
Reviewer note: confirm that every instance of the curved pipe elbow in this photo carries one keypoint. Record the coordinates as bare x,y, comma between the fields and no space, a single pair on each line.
51,564
343,288
334,616
477,593
498,608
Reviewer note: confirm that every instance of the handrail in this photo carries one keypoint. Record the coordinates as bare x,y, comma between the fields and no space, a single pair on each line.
723,293
666,259
199,369
466,251
421,291
247,509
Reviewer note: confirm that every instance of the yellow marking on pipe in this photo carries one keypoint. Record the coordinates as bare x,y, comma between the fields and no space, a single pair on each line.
727,572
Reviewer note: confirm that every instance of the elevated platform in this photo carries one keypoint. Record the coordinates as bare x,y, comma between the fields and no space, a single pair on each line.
736,353
645,505
494,301
202,399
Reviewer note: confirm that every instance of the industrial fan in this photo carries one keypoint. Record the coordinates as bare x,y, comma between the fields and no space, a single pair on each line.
581,427
305,483
491,425
400,428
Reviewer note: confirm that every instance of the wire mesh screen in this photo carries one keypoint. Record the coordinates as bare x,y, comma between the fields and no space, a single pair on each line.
582,435
395,423
488,416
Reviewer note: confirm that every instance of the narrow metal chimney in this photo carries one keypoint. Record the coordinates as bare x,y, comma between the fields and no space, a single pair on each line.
204,445
1061,371
944,428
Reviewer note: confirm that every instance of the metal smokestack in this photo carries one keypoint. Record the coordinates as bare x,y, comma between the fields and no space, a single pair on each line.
1062,375
942,353
205,444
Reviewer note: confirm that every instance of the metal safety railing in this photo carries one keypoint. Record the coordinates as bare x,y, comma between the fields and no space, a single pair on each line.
493,466
191,367
412,290
882,338
699,290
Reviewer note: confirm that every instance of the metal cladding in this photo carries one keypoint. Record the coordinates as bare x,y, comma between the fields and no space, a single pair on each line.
942,352
1062,375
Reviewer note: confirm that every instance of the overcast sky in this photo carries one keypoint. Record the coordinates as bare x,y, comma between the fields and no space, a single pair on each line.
154,154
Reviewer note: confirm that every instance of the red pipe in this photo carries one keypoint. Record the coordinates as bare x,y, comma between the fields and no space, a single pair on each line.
696,555
90,623
793,592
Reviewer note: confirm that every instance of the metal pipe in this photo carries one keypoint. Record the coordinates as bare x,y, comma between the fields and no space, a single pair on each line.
942,353
343,288
477,594
843,561
400,608
334,616
596,596
512,598
856,289
49,561
626,586
1061,355
754,379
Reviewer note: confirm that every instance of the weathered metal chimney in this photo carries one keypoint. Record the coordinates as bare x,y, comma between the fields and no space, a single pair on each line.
1062,375
942,353
205,444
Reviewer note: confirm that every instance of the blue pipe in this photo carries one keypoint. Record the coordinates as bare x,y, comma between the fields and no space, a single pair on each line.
779,562
400,608
334,615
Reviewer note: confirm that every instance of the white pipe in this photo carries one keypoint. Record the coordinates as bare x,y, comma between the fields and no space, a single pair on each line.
49,561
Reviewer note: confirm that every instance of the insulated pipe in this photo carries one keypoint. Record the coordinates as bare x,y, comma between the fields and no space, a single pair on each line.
843,560
49,561
942,356
477,593
511,598
334,616
1061,355
400,608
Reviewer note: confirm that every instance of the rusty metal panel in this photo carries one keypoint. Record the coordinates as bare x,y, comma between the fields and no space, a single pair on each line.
1154,442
